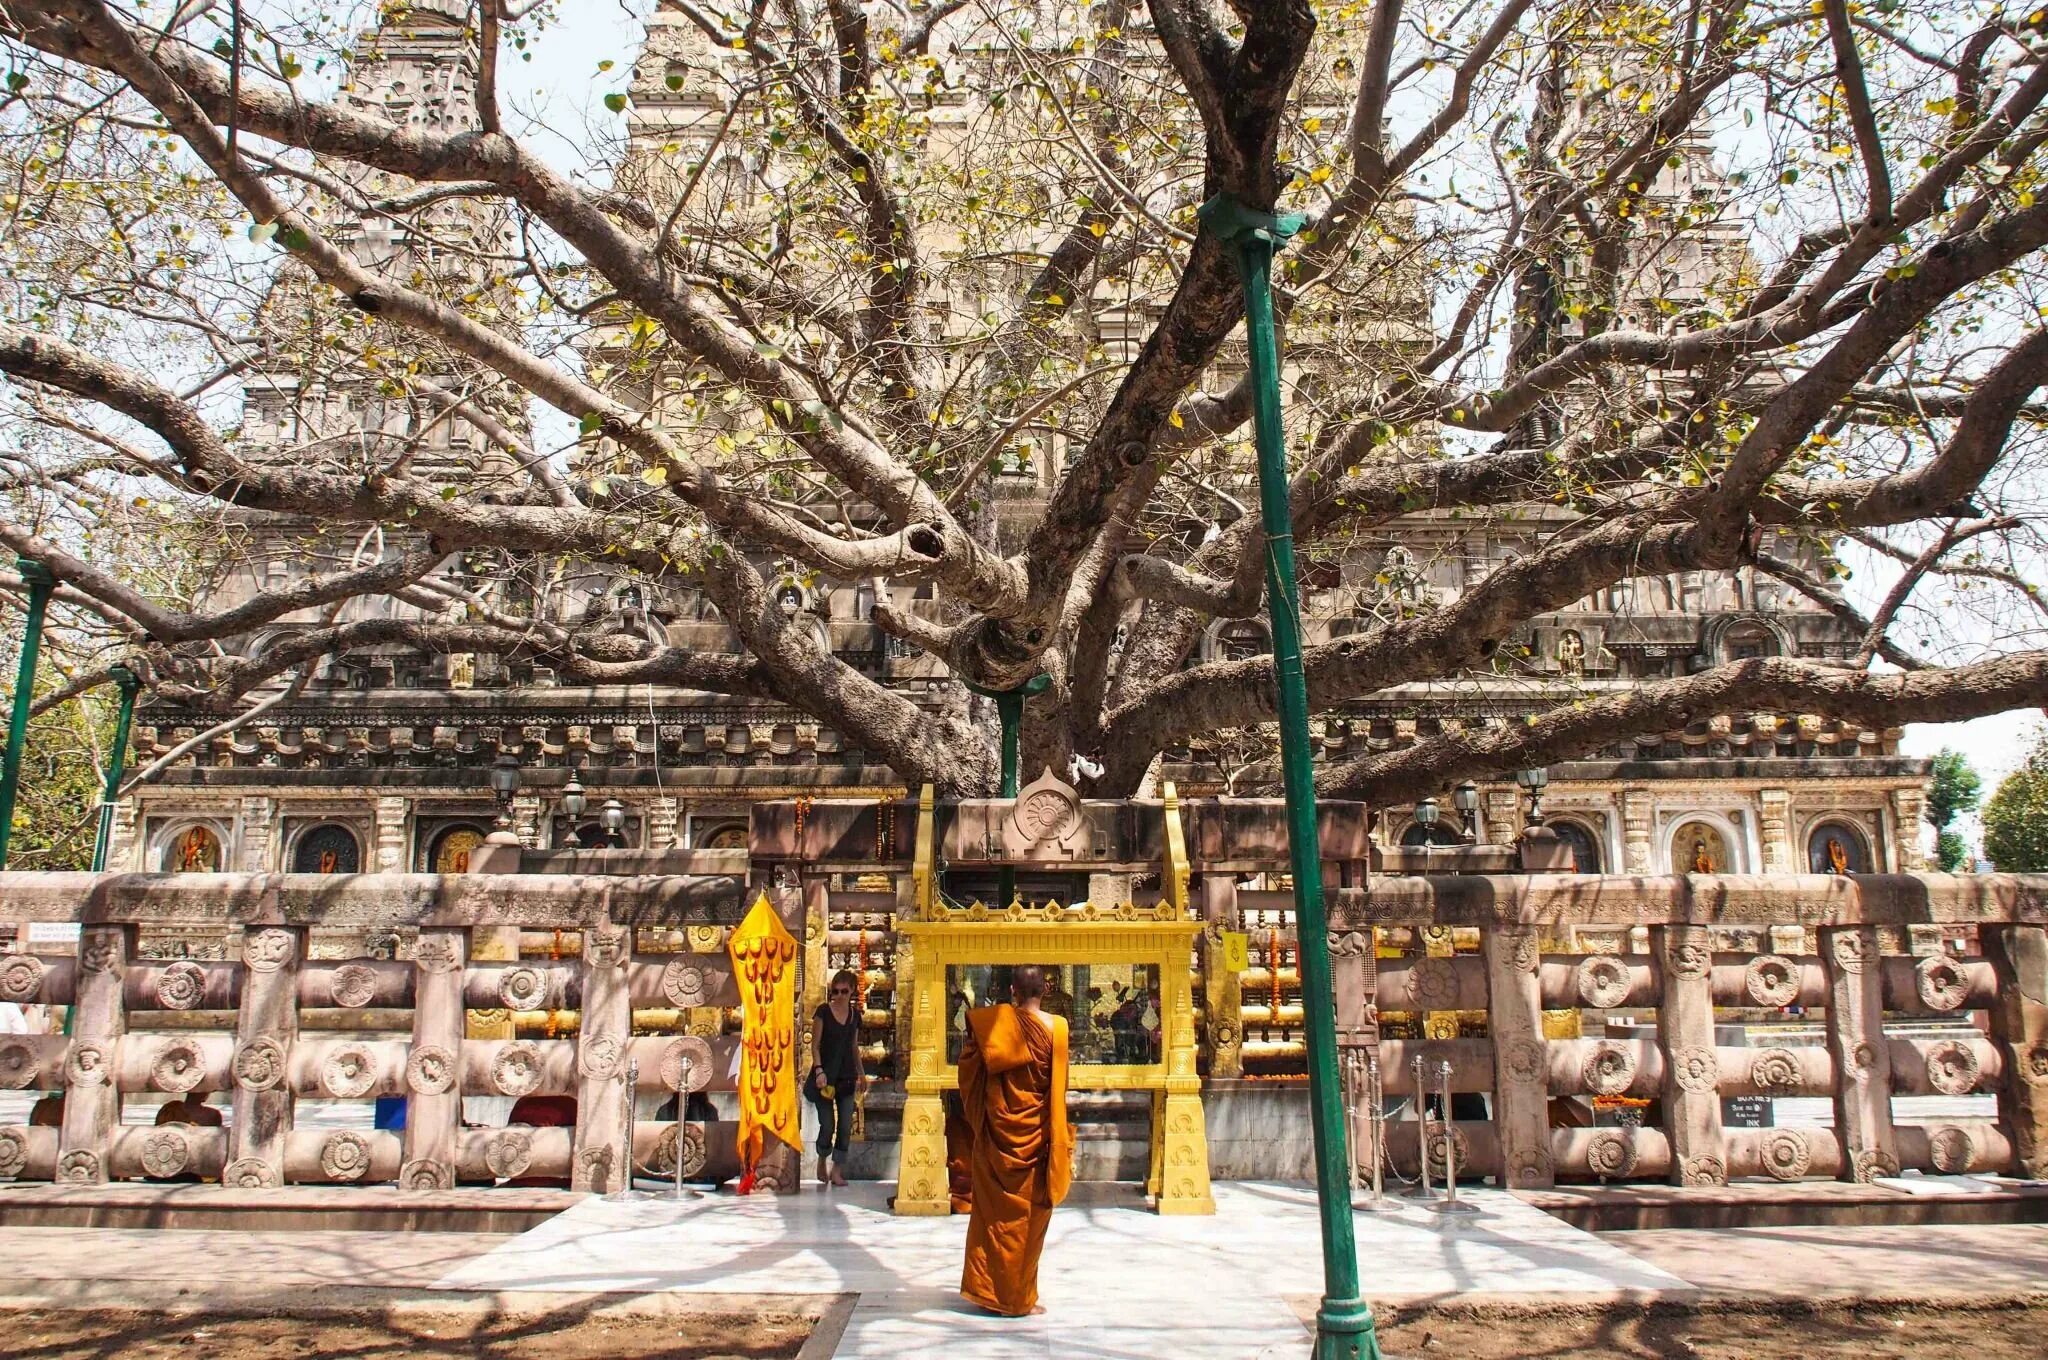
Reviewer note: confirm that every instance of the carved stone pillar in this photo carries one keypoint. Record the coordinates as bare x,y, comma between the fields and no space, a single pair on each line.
602,1158
256,832
433,1072
1502,811
526,817
662,816
1636,815
1221,991
1684,956
1774,830
389,854
265,1030
2019,1025
1521,1055
1909,809
99,1019
1863,1065
122,849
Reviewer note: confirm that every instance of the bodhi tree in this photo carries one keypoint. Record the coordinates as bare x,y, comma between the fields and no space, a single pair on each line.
916,297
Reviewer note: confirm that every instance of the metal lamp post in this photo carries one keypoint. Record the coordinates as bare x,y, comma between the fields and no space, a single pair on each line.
130,684
504,783
40,583
574,799
613,819
1344,1324
1010,713
1465,798
1534,781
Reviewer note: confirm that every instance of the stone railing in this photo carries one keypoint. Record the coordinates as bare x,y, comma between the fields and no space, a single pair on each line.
269,1060
1674,957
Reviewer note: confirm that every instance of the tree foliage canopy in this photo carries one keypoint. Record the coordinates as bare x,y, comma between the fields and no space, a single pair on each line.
2016,818
1719,285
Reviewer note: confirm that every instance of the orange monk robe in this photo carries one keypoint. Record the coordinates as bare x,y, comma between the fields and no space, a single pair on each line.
1013,1091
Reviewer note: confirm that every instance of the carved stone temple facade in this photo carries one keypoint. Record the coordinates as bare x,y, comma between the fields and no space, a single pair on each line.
381,762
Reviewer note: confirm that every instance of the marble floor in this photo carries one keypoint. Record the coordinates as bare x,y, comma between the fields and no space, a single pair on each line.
1118,1282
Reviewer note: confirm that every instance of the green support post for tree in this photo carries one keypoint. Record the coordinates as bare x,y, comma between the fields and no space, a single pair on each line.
40,584
1344,1323
1010,713
130,684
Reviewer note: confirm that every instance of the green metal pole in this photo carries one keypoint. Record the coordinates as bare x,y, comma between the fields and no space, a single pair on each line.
40,584
130,684
1344,1322
1010,712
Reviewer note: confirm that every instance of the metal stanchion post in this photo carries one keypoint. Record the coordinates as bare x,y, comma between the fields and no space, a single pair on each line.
1376,1124
1451,1203
625,1190
1421,1190
682,1105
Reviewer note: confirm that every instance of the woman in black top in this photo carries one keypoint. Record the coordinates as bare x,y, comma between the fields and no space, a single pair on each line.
835,1039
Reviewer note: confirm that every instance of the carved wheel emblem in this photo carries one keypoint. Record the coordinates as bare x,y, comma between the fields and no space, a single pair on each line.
180,1067
79,1167
1952,1067
430,1069
1612,1154
523,989
349,1072
87,1065
684,984
353,985
1046,811
1433,985
18,1066
1527,1060
181,986
1872,1164
599,1058
250,1173
1940,983
434,954
21,978
509,1154
1603,981
13,1152
686,1064
1697,1069
515,1071
259,1065
693,1151
165,1153
594,1168
266,951
1436,1147
345,1157
424,1173
1785,1154
1771,980
1609,1069
1952,1150
1775,1070
1702,1171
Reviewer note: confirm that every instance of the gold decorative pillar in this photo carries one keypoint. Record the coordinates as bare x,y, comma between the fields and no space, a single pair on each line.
921,1187
1184,1135
817,913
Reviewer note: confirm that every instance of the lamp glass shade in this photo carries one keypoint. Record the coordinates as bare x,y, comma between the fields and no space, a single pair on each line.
1465,798
1534,778
613,818
505,776
1427,812
574,800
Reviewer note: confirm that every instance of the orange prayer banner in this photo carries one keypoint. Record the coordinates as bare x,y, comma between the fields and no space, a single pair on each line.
764,963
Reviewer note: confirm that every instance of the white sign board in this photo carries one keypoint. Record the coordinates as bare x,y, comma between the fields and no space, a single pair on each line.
52,932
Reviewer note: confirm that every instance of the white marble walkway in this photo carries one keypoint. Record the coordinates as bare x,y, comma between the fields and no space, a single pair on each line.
1118,1283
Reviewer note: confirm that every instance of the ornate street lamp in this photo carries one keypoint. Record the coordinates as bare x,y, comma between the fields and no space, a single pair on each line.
1465,798
1427,815
1535,781
504,783
574,799
613,820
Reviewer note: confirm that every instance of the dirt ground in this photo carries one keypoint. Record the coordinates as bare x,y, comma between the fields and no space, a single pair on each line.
773,1331
1875,1333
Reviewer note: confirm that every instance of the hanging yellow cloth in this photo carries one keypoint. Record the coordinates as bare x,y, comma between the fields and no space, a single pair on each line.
764,964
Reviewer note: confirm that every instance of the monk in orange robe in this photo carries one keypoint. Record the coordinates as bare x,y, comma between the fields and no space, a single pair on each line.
1013,1091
